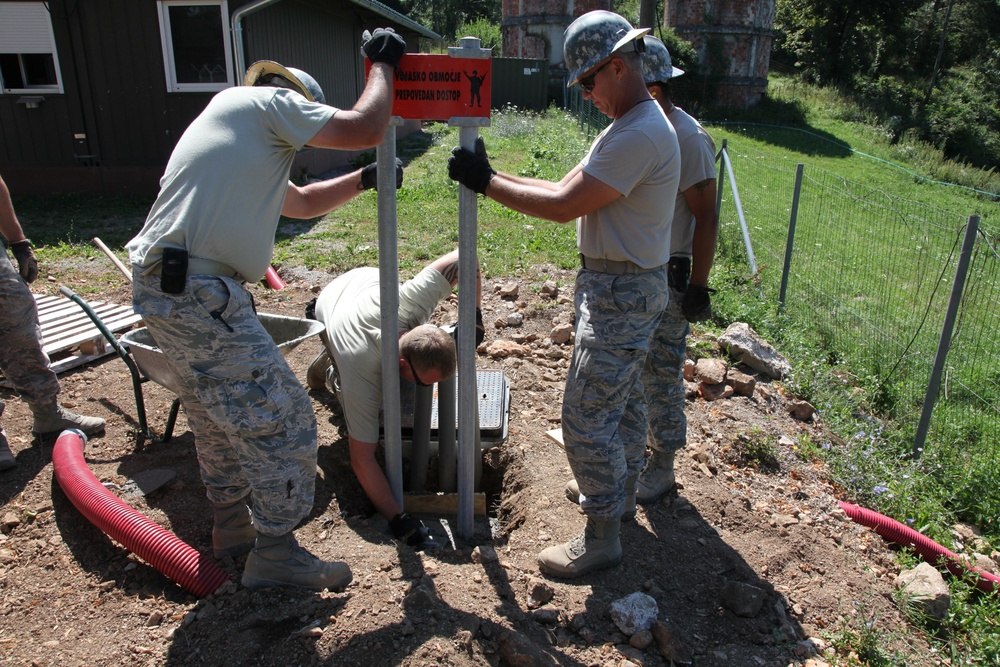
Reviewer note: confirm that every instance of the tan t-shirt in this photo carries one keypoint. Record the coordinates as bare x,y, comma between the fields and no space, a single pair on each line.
351,310
222,192
637,155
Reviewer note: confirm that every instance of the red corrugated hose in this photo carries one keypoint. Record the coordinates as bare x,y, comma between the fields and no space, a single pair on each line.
933,553
157,546
274,281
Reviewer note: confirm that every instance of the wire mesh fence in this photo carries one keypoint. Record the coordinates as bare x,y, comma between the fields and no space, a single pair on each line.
872,275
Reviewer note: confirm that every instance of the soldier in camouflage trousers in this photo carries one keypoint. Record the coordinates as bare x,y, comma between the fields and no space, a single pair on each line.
22,360
621,195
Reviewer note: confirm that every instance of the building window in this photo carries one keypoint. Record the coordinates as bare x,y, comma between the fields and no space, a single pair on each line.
28,60
197,56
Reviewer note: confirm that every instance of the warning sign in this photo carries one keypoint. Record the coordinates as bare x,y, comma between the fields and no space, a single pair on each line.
440,87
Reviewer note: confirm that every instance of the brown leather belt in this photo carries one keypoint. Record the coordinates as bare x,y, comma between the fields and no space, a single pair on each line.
615,267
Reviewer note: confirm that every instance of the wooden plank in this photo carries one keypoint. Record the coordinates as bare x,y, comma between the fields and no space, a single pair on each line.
88,334
68,329
441,503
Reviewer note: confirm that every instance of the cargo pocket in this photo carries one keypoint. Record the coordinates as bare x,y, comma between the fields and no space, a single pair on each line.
250,403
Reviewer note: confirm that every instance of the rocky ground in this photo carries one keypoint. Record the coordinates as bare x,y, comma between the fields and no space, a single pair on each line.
750,562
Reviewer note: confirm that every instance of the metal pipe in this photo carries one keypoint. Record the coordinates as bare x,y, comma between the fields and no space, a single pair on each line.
423,398
237,28
446,435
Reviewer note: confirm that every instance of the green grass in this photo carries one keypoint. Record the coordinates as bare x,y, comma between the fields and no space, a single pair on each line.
866,452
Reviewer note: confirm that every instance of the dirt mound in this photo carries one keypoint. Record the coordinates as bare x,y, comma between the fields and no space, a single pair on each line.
747,562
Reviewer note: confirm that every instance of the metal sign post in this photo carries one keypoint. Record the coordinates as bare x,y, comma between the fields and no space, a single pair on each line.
388,278
468,391
432,87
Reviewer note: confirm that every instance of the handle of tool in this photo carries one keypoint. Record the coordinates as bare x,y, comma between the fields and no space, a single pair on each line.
107,251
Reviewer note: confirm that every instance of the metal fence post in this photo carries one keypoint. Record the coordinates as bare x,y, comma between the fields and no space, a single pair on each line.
791,237
934,384
722,179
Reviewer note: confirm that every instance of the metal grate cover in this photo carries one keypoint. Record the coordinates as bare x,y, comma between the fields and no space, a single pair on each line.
494,405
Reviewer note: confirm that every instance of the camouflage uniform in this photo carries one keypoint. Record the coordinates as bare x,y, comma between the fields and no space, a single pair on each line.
254,425
22,360
663,378
604,412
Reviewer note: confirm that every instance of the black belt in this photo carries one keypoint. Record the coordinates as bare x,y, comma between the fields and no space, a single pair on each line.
616,267
198,266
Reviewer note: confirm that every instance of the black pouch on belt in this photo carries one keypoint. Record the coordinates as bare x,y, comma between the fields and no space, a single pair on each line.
173,270
678,273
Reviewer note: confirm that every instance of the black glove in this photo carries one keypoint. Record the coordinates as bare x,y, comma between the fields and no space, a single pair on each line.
369,176
410,530
27,265
383,46
480,330
472,170
697,303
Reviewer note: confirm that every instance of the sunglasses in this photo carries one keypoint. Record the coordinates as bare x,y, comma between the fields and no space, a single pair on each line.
416,378
587,82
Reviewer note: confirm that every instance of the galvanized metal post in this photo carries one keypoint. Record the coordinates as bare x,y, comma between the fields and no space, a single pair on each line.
722,176
467,262
388,263
420,454
957,287
739,213
791,237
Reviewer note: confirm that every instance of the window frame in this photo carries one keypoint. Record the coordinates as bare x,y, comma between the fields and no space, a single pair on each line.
51,52
166,42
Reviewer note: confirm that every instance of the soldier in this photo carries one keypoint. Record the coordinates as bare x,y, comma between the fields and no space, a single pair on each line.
350,308
22,359
211,229
622,197
692,250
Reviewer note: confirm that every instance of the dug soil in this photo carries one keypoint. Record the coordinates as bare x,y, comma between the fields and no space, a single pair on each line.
750,562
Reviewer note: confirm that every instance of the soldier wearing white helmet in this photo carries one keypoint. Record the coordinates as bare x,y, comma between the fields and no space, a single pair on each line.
621,196
211,229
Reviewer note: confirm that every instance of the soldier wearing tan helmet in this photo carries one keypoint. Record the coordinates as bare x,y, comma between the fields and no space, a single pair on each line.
209,231
621,197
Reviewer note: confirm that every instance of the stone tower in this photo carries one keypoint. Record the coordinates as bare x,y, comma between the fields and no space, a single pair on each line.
733,41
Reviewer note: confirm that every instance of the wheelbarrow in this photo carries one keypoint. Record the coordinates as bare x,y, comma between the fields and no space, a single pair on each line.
149,362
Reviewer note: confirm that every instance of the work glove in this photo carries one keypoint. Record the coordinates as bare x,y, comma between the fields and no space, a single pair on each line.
480,330
383,46
369,176
471,169
410,530
697,303
27,265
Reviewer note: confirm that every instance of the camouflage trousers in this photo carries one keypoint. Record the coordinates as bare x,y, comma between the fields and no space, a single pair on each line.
663,379
253,422
604,413
22,360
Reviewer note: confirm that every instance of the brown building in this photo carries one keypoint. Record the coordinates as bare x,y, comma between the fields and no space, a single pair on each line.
95,93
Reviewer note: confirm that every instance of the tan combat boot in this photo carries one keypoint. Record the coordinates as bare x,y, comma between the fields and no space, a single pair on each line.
233,533
596,548
656,478
7,460
316,375
280,561
52,418
628,514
